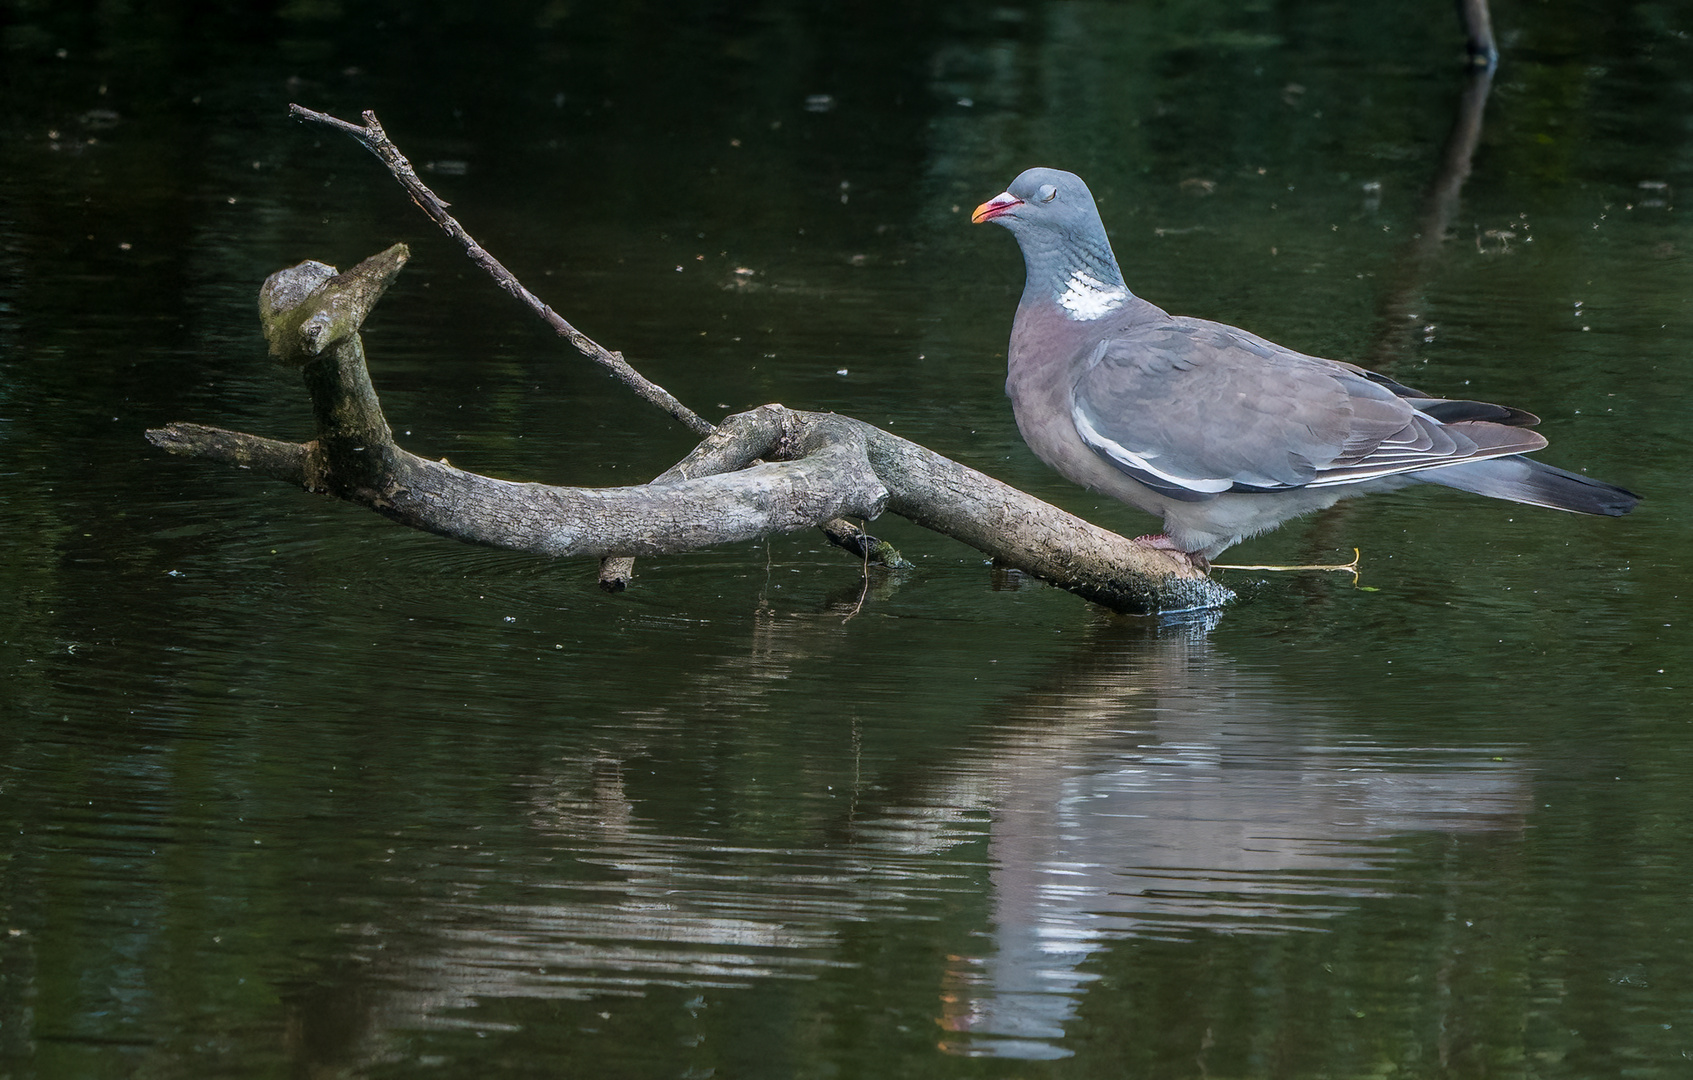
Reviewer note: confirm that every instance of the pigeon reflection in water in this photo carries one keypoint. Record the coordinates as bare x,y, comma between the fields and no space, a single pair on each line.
1155,790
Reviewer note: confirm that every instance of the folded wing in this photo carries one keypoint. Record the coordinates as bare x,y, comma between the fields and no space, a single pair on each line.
1193,409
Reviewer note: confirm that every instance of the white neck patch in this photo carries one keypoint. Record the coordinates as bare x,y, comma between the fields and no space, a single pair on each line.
1086,297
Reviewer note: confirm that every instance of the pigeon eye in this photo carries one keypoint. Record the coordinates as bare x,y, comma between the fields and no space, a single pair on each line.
1046,193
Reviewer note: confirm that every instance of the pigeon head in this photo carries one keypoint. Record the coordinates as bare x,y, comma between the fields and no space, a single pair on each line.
1068,257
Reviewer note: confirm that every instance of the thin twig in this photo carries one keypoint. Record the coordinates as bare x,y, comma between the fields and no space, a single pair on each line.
374,139
1346,568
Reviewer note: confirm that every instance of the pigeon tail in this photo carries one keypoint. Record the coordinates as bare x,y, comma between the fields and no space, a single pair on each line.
1525,480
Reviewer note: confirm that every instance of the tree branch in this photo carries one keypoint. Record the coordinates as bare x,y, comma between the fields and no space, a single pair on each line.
618,570
769,470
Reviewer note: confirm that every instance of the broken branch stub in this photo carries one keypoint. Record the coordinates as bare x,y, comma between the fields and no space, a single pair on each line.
769,470
311,317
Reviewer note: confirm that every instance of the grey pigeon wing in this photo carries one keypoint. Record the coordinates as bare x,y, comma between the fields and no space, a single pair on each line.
1445,410
1193,409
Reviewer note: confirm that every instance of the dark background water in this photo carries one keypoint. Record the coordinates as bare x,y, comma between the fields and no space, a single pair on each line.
287,790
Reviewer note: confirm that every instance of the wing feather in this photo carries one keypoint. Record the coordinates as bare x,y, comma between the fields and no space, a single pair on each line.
1192,409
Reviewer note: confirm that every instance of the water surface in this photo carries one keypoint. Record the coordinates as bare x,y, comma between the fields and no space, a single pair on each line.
288,790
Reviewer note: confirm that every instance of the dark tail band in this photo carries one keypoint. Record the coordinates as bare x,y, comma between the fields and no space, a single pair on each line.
1525,480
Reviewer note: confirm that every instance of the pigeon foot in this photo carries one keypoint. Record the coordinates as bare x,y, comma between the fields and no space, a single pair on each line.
1162,542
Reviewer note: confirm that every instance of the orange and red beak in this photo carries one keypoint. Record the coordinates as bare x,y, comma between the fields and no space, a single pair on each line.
994,207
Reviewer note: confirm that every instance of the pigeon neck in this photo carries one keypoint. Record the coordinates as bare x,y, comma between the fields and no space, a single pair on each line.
1080,276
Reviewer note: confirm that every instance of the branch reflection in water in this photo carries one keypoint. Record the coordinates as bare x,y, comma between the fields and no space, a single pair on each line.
1146,787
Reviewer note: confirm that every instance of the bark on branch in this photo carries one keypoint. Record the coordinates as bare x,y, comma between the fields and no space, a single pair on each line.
769,470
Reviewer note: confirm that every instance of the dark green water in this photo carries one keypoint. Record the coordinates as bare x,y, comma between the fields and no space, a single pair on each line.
286,790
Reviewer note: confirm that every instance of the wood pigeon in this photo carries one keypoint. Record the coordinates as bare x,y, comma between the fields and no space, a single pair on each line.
1219,432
